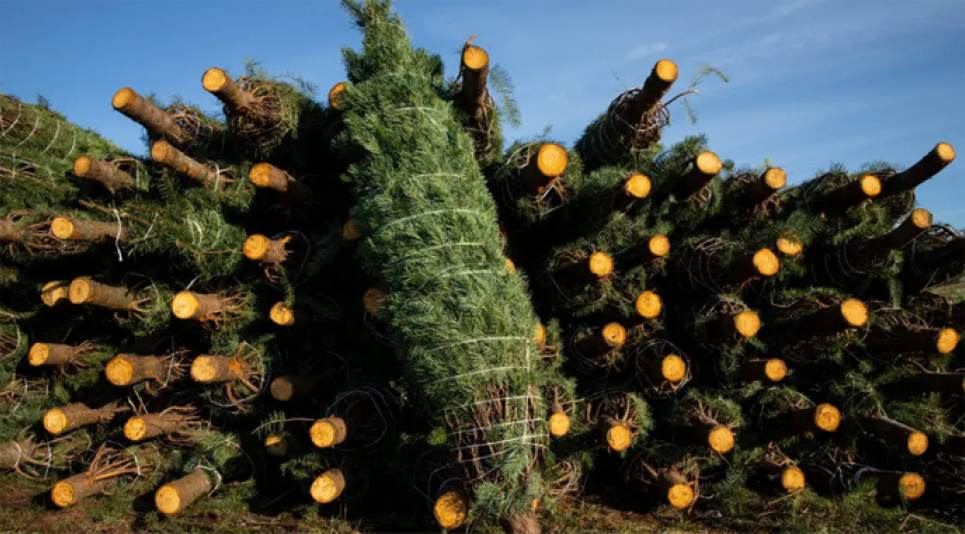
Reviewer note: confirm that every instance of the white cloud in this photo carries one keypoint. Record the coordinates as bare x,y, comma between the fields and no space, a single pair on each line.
644,51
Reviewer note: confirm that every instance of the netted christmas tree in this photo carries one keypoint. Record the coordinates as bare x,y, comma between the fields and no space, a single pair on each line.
375,308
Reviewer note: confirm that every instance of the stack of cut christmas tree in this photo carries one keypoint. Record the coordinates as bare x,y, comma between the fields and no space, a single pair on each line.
372,307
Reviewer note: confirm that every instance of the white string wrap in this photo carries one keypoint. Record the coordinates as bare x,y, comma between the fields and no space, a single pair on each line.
117,238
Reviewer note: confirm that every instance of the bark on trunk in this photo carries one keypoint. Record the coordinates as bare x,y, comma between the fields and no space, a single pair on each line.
791,477
851,313
53,354
820,418
9,233
474,69
328,486
547,163
768,371
663,75
83,290
675,487
591,269
155,119
172,158
17,453
76,415
526,523
761,263
654,249
130,369
177,495
104,173
71,229
329,432
636,187
262,249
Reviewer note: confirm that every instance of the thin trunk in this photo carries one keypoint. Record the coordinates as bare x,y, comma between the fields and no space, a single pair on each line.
76,415
55,292
54,354
547,163
896,433
663,75
264,250
851,194
791,476
591,269
705,167
851,313
9,232
211,369
769,183
152,425
603,340
130,369
617,436
474,69
820,418
198,306
76,488
673,485
267,176
217,82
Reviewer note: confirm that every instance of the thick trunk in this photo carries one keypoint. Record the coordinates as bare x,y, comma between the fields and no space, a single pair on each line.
843,197
547,163
152,425
328,486
899,434
198,306
235,99
292,387
175,496
767,371
155,119
130,369
262,249
617,436
329,432
53,354
76,488
792,478
211,369
73,416
603,340
83,290
704,168
769,183
678,491
591,269
104,173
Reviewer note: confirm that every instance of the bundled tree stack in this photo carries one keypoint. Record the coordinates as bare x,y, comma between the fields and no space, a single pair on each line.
373,307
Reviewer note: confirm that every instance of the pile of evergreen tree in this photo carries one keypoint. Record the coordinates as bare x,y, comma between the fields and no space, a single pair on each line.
295,307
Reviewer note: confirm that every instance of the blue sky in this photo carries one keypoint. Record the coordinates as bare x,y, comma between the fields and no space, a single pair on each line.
812,82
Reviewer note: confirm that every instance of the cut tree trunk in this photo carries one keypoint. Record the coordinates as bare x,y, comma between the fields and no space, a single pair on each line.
152,425
851,313
9,232
820,418
55,292
792,478
103,173
267,176
474,70
287,388
177,495
328,432
675,487
928,166
211,369
593,268
130,369
635,188
843,197
172,158
76,415
73,229
603,340
654,249
896,433
264,250
328,486
158,122
76,488
198,306
83,290
663,75
767,371
217,82
54,354
769,183
704,168
547,163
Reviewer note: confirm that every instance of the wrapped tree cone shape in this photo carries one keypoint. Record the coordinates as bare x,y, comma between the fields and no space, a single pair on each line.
767,371
789,245
172,158
53,354
129,369
850,313
663,75
84,290
674,485
705,167
328,486
76,488
328,432
374,299
617,435
593,268
157,122
218,83
177,495
915,442
276,445
843,197
928,166
282,315
152,425
290,387
197,306
770,182
336,96
72,229
55,292
474,69
548,163
64,419
603,340
264,250
213,369
451,509
104,173
559,422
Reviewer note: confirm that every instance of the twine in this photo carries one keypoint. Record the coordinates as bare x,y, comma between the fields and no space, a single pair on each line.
117,238
19,112
480,339
216,473
73,144
54,139
427,213
489,427
444,245
492,370
24,140
19,454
